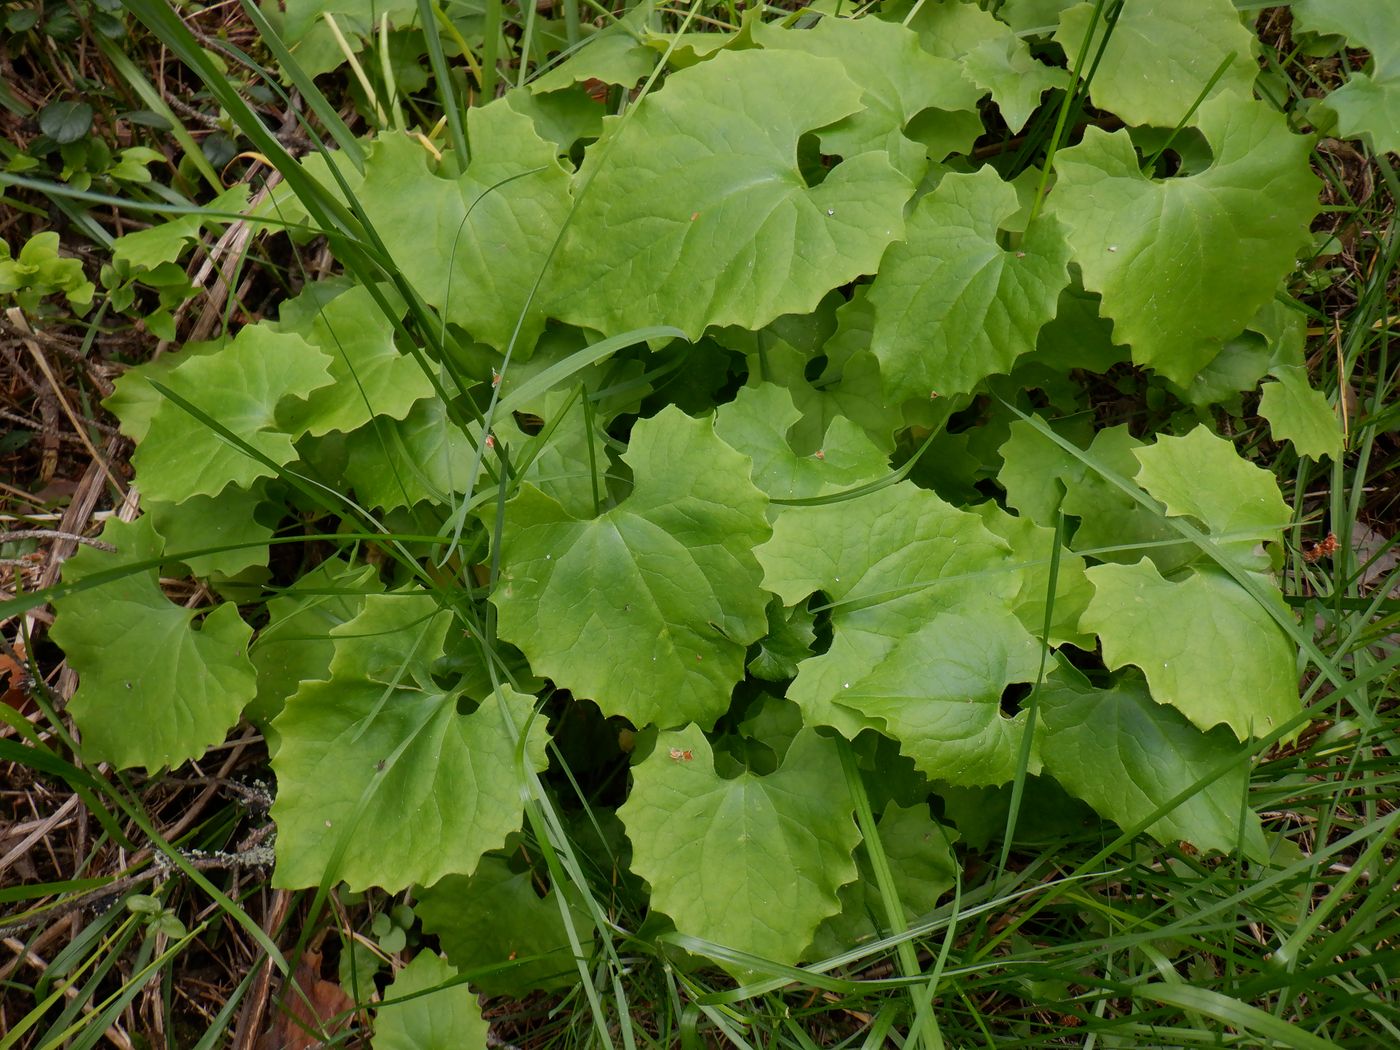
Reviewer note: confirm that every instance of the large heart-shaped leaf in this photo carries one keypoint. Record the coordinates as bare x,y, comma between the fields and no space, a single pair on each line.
1185,263
649,608
153,691
696,212
380,753
752,863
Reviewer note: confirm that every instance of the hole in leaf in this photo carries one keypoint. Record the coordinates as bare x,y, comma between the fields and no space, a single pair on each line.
1012,696
812,162
1172,156
466,705
814,368
822,624
736,755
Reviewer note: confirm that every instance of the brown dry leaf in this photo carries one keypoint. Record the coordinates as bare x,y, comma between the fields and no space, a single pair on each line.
12,679
302,1017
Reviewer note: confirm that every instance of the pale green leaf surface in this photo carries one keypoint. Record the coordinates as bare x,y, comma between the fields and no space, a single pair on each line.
165,241
1038,16
1202,475
753,863
496,916
296,645
371,376
1161,55
887,563
1033,545
1112,525
787,643
1004,67
1243,361
952,28
759,420
446,1019
1126,755
153,690
920,856
953,306
560,117
613,55
241,386
1368,104
311,40
900,80
213,521
938,692
134,401
1185,263
473,245
379,753
697,213
398,463
648,609
559,462
1299,413
849,390
1205,644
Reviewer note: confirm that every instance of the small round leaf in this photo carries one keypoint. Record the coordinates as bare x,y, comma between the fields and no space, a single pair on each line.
65,121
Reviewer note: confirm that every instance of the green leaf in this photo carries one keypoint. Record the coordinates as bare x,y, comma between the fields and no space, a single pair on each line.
953,306
938,692
1126,755
399,463
1161,56
613,55
371,377
752,863
166,241
241,386
560,464
213,521
1034,544
991,55
153,691
1368,104
473,245
496,917
134,401
380,753
446,1019
899,80
647,610
697,213
787,643
39,271
1184,263
759,420
1298,413
297,645
1205,644
920,855
65,121
1004,67
886,563
314,45
1202,475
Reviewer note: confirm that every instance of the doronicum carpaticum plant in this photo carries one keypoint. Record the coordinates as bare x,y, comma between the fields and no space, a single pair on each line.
709,545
